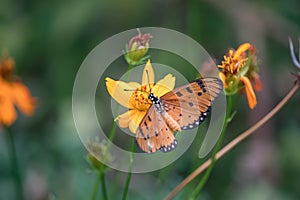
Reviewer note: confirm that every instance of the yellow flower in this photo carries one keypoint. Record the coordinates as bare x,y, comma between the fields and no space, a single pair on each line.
12,93
237,71
134,96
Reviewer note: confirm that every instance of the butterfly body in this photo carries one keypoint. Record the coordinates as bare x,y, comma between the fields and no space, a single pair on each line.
183,108
160,108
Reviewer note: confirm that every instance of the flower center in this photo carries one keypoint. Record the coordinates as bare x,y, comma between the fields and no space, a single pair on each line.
232,65
7,66
139,98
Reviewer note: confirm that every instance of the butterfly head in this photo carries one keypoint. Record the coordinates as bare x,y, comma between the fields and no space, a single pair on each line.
153,98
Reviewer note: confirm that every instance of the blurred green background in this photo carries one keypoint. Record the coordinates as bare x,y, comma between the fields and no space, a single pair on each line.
49,41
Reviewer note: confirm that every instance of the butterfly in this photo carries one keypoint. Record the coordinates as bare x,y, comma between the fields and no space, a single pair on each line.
183,108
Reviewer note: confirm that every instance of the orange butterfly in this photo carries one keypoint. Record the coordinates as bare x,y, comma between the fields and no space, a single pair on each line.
183,108
156,111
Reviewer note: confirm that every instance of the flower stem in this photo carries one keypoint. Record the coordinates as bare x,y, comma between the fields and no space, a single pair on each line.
234,142
96,186
133,147
14,164
217,148
100,178
113,128
103,183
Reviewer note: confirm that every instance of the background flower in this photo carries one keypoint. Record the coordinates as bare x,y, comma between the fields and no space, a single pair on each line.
13,93
238,69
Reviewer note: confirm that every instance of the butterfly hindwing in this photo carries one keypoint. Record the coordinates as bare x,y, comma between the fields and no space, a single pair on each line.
190,104
154,134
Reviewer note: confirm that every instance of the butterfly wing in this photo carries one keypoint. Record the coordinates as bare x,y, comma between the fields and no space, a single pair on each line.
190,104
154,134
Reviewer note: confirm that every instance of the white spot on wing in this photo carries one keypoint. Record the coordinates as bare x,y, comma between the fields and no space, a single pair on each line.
149,145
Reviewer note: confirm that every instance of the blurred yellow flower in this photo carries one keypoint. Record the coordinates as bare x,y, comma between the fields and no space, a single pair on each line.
134,96
237,71
13,93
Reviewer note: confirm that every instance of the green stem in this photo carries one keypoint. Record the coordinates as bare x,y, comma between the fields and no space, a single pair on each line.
216,149
104,191
14,164
96,185
112,132
100,178
133,147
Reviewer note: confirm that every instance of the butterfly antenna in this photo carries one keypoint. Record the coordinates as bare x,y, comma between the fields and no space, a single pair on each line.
131,90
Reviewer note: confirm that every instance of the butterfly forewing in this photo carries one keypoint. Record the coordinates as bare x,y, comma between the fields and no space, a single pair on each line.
190,104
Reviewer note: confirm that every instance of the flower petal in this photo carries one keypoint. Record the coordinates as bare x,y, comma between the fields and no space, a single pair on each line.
8,114
249,92
23,98
223,79
241,49
7,111
124,119
136,118
117,90
134,85
148,78
257,82
164,85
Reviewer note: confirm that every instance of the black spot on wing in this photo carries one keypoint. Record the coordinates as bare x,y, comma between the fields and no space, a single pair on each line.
202,86
179,94
142,133
189,90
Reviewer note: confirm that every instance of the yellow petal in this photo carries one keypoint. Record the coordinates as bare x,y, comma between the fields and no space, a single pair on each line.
134,85
242,48
23,98
164,85
136,118
148,78
249,92
117,90
124,119
223,79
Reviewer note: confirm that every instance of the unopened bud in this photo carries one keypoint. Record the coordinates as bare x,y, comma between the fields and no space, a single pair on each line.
137,48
